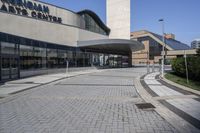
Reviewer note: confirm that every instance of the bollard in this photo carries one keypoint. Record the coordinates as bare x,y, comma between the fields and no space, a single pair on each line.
148,71
67,68
160,68
153,67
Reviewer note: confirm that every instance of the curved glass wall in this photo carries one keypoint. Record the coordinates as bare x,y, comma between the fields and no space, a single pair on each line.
91,25
9,60
21,57
40,57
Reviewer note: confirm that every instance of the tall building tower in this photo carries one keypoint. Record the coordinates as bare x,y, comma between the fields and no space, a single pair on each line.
195,44
118,18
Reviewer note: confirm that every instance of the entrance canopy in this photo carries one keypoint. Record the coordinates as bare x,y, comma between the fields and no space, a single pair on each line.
118,46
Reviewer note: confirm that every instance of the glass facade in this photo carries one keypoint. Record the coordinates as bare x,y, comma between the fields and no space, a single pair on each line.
109,60
154,47
91,25
19,54
9,48
9,60
26,57
39,57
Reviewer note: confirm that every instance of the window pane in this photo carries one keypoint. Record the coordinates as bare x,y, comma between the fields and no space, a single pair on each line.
26,57
40,57
8,48
52,58
62,55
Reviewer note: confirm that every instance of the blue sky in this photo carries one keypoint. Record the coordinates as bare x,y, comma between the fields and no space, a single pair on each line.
182,17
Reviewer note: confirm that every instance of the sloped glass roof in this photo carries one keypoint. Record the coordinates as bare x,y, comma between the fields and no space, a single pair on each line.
174,44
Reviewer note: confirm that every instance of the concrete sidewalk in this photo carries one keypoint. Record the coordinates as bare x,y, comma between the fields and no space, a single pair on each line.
13,87
184,103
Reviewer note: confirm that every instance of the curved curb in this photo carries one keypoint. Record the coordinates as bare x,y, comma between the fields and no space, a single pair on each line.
180,86
171,117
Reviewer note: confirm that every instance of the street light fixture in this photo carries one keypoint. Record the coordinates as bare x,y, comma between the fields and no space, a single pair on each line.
163,47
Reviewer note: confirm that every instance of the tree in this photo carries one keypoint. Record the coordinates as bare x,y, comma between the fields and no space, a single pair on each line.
198,52
178,66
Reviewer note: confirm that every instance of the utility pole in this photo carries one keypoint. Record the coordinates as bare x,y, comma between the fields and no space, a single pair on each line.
163,48
148,69
186,67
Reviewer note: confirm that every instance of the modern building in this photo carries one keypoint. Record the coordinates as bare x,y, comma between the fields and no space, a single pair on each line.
36,36
195,44
153,47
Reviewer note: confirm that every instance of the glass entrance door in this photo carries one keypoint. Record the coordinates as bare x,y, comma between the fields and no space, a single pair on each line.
5,68
9,67
9,61
14,68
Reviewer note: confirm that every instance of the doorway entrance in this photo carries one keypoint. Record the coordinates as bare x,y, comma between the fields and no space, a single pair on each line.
9,67
9,61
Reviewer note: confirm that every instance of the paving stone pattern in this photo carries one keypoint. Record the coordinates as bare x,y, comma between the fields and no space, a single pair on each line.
189,106
96,103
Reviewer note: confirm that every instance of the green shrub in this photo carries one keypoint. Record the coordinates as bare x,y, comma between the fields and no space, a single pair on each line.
178,66
194,68
193,63
198,52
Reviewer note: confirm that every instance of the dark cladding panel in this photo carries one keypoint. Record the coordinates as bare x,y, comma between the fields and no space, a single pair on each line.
3,37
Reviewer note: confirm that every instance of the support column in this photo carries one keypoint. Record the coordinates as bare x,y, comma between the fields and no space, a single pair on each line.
130,59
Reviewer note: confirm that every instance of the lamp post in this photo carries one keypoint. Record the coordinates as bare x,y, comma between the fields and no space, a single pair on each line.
148,67
163,47
186,66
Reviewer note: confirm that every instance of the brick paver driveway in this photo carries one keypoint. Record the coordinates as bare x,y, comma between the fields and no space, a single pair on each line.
99,102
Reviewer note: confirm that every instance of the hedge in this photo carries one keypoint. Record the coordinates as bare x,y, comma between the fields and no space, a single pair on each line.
193,63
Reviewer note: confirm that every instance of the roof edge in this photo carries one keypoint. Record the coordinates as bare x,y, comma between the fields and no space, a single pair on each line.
96,18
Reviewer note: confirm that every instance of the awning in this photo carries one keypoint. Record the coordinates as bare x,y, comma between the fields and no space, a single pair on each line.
112,45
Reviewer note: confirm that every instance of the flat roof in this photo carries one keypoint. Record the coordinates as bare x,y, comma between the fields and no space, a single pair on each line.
112,45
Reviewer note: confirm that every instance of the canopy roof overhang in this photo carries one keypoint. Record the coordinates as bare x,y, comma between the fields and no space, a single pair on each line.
117,46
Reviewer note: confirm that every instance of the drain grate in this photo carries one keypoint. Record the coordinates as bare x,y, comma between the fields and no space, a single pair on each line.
145,106
29,82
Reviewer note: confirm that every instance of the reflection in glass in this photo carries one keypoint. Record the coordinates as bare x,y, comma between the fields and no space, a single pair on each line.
40,57
62,56
70,58
95,59
101,59
87,59
9,48
91,25
52,58
5,70
124,61
26,57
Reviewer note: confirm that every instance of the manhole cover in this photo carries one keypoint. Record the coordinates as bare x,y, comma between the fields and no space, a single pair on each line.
28,82
145,106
